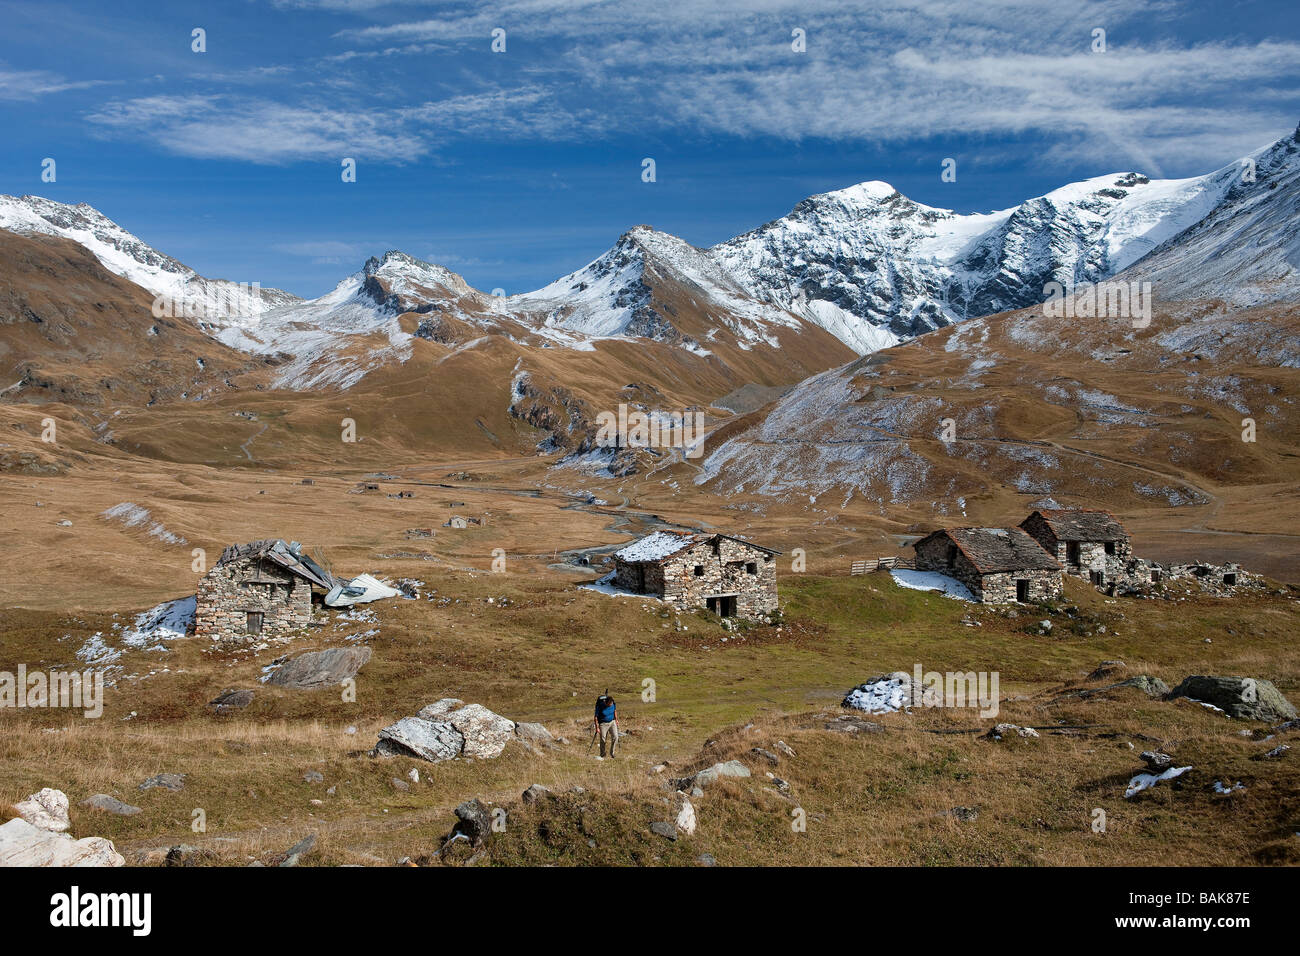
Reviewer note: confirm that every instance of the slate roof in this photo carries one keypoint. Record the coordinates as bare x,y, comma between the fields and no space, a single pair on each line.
662,545
1084,524
277,552
991,550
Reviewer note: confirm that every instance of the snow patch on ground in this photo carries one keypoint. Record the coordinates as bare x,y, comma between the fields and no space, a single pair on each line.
884,695
1145,781
134,516
166,622
931,581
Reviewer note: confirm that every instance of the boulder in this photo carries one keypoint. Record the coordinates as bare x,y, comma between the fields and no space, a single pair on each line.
486,734
47,810
317,669
1245,697
102,801
22,844
431,740
168,781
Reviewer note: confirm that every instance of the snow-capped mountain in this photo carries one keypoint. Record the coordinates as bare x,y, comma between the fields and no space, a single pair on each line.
1246,250
622,293
183,291
865,264
337,338
878,258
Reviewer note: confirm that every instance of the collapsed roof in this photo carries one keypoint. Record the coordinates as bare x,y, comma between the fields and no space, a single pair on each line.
287,556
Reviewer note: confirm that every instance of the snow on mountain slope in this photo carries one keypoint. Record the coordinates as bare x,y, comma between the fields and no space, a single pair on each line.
1246,250
128,256
614,295
336,339
886,262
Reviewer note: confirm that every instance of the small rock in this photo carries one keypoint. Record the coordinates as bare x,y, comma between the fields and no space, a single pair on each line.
399,784
766,755
474,821
231,700
168,781
1158,762
299,850
535,793
313,776
782,747
1006,730
413,775
964,814
102,801
666,830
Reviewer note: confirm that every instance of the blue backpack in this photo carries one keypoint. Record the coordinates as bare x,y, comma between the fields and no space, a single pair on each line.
604,709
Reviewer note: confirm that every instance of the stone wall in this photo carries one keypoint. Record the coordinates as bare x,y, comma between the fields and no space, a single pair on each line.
228,593
1091,557
1000,587
721,571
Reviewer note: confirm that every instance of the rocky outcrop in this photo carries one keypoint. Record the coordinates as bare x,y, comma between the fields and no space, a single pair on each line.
1249,698
22,844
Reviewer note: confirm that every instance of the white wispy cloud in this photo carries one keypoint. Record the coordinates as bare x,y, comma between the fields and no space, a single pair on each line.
899,71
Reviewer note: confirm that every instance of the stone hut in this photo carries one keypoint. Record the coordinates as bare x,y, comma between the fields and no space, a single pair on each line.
1088,543
731,577
997,565
257,590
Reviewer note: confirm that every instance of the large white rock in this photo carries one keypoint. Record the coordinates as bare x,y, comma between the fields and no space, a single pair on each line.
486,733
47,810
430,739
22,844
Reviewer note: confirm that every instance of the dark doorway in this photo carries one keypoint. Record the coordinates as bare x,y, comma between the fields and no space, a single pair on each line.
1098,578
1229,579
1072,552
254,622
722,606
1022,590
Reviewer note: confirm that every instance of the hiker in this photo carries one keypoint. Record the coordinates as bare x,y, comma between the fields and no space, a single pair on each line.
606,721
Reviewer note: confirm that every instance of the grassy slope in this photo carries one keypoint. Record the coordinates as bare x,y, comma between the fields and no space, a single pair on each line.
549,650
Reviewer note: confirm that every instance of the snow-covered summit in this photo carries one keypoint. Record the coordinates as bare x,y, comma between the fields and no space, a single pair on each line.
126,255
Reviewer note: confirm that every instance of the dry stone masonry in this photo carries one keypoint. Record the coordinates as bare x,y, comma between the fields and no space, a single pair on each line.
731,577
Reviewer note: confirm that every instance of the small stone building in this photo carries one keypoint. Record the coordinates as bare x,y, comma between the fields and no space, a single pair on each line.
1088,543
731,577
257,590
997,565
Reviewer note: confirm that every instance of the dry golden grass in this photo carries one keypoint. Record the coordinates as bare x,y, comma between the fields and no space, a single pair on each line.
872,799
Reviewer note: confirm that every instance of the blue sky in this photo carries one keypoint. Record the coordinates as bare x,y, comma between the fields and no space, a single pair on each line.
514,168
